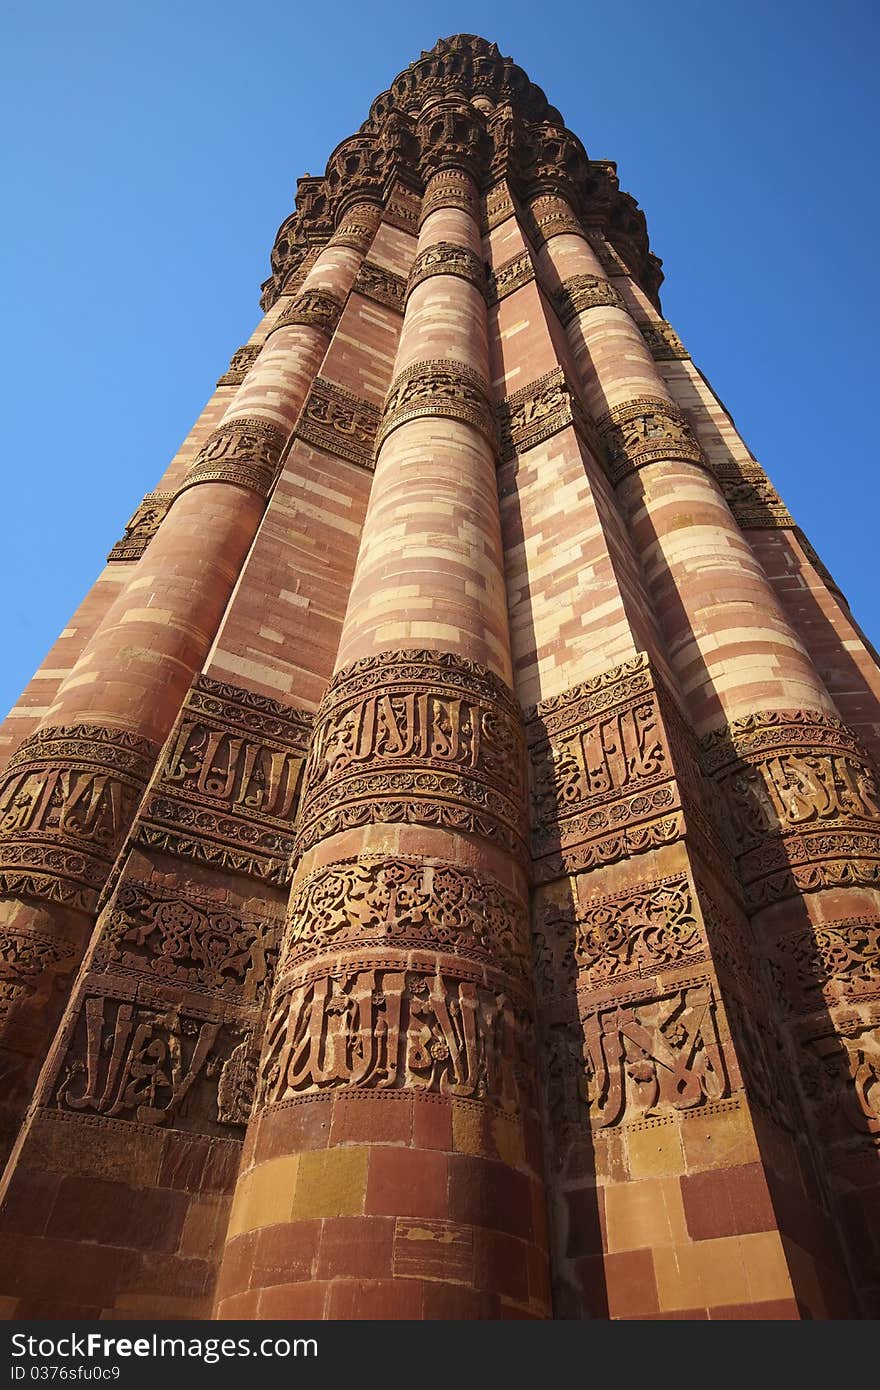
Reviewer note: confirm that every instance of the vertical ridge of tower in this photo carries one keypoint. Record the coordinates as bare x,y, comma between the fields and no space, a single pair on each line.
440,862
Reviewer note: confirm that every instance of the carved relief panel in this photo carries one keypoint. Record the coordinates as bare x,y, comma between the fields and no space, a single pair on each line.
228,790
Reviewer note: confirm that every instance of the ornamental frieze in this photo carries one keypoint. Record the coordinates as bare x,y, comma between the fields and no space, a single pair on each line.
754,501
27,960
602,776
145,1059
499,205
142,526
549,216
245,451
450,189
841,1079
181,938
407,904
641,932
67,799
644,431
380,284
581,292
650,1057
398,1028
817,967
663,341
447,258
402,211
608,256
416,736
530,416
356,232
340,422
799,802
509,277
228,790
318,309
240,364
438,388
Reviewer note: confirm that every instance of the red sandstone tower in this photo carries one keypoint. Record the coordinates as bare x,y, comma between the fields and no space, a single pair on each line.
440,861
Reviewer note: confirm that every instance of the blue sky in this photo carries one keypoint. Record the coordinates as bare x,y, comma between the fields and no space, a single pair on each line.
152,150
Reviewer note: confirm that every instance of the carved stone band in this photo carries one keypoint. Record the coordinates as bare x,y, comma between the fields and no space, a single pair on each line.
799,803
229,787
340,422
142,526
356,233
383,902
425,1022
242,360
499,205
421,737
550,216
378,283
663,341
582,292
754,501
451,188
445,258
509,277
644,431
313,308
443,388
539,411
67,799
246,452
602,772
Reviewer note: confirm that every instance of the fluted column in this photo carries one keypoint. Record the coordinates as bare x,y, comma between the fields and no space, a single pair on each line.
392,1166
71,790
795,794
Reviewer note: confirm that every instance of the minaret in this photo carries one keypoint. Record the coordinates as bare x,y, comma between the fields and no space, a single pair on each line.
440,860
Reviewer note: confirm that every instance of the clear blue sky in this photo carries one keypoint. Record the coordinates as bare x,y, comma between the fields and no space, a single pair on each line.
151,150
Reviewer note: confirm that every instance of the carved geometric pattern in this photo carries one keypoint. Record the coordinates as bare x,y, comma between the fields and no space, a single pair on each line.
142,526
800,803
548,216
603,784
540,410
242,360
66,801
375,282
26,958
447,258
314,308
228,790
245,451
641,932
499,205
402,211
186,939
510,277
821,966
450,189
751,496
663,341
438,388
356,232
407,904
644,431
581,292
609,257
340,422
416,736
